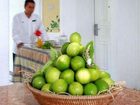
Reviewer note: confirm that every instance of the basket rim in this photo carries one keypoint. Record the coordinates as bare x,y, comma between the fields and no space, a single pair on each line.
58,96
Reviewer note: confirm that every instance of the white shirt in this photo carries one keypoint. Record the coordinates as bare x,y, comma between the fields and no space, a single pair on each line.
24,29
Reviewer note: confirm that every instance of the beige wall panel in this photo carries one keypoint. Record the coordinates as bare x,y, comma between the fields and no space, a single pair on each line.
51,15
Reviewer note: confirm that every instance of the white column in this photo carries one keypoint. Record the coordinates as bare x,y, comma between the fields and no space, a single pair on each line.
4,41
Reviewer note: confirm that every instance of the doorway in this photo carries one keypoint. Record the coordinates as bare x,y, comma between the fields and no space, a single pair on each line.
102,32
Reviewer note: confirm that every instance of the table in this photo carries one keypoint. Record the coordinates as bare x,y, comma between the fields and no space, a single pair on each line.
18,94
28,60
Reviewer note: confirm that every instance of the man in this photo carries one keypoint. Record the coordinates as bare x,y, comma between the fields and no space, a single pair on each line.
25,24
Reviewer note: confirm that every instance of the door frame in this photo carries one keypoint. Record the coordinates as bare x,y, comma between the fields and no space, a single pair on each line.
102,40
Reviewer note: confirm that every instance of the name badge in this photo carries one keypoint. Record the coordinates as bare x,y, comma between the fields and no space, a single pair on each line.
33,20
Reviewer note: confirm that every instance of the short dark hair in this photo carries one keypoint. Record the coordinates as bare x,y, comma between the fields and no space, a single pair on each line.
28,1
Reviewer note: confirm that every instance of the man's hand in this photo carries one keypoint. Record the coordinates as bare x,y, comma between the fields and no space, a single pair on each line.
20,45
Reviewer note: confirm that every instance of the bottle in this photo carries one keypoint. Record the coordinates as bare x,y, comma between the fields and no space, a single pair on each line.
39,42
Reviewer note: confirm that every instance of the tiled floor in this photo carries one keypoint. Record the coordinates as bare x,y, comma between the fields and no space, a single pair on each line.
19,95
5,80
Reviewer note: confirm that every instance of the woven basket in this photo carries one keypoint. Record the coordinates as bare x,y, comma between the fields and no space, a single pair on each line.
55,99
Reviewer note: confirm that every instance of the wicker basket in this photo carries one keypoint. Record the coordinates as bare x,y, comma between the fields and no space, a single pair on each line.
55,99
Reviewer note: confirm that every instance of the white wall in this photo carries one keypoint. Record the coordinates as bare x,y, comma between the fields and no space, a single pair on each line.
125,41
85,19
4,38
67,16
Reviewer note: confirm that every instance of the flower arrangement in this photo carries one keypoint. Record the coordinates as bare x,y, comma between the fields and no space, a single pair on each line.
39,41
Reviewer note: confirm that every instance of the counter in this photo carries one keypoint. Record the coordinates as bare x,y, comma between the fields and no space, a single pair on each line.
28,60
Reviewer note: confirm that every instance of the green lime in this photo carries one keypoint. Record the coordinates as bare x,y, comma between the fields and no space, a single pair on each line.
101,85
52,75
59,86
73,49
45,71
77,62
104,74
81,49
64,47
67,75
95,74
46,88
96,67
38,82
37,73
75,37
83,76
46,66
90,89
63,62
75,88
109,81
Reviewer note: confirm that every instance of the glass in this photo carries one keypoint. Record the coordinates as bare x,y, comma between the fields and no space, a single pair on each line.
62,39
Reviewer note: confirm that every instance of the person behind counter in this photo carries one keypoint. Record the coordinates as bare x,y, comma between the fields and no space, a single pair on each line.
25,24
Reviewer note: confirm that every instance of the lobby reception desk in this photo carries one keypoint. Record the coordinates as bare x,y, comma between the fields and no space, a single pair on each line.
28,60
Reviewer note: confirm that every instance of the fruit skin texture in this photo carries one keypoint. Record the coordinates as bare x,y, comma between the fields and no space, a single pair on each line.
59,86
37,73
67,75
38,82
75,37
75,88
90,89
95,74
46,66
104,74
109,81
83,76
81,49
63,62
73,49
77,62
52,75
101,85
64,47
46,88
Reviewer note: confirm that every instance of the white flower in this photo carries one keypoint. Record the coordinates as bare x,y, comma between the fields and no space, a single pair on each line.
89,61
